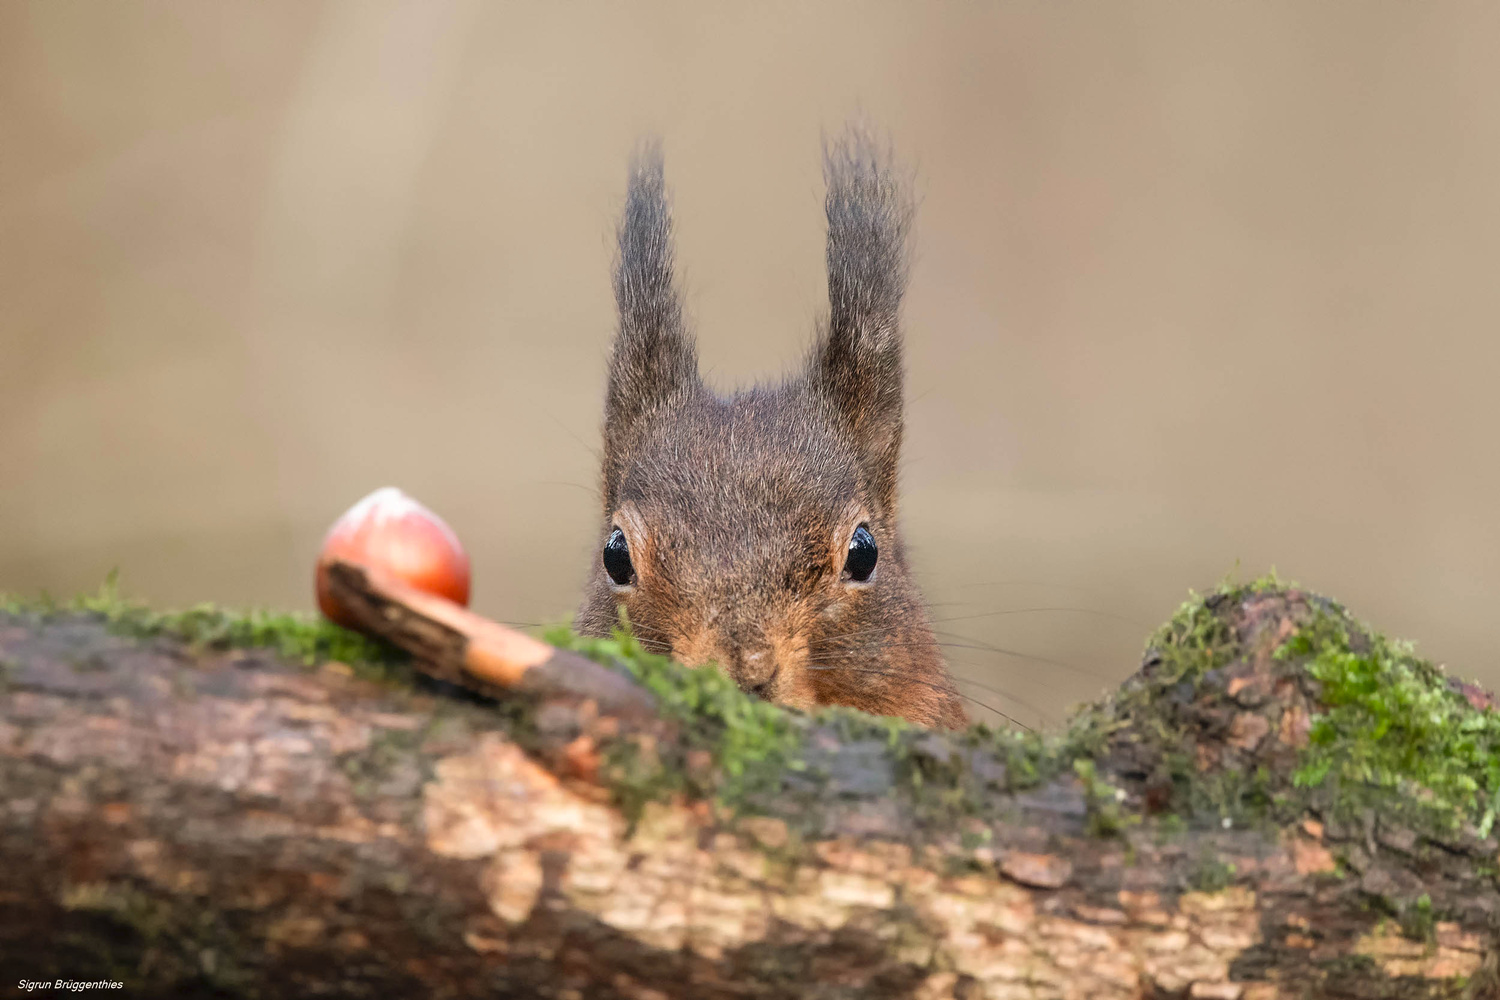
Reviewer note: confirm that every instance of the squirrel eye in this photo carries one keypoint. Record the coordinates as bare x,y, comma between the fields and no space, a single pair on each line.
862,555
617,559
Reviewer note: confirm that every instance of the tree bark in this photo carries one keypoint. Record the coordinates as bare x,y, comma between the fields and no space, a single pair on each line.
225,823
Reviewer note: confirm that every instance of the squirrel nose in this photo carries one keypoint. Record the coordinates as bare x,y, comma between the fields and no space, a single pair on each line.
757,671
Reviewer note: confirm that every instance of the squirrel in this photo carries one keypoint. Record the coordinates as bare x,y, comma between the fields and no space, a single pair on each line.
758,531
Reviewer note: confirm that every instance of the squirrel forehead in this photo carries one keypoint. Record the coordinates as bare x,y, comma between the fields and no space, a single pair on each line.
765,457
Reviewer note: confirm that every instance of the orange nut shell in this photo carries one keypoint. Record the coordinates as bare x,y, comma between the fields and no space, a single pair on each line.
395,534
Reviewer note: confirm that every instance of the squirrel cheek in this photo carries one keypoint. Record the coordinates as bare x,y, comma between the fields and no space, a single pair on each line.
792,684
794,689
694,649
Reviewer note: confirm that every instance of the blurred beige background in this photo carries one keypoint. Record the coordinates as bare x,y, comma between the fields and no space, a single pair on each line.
1196,283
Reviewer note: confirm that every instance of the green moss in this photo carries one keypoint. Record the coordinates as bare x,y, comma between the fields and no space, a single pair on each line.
1194,642
1102,801
1394,732
1418,921
751,742
1198,637
390,765
185,945
1212,874
303,638
147,916
760,757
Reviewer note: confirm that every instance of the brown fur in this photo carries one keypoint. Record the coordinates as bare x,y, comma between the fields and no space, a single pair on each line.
739,511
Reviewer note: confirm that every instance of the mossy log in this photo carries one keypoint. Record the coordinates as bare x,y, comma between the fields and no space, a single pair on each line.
1277,804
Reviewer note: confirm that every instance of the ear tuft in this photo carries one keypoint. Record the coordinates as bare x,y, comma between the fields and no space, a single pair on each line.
655,362
857,365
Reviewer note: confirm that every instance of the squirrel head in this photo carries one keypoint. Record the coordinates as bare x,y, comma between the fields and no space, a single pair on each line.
759,531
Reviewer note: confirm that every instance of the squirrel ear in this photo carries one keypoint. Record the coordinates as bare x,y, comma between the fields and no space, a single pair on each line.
654,361
856,365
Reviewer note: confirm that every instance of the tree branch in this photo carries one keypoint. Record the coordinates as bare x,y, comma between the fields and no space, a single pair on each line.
207,821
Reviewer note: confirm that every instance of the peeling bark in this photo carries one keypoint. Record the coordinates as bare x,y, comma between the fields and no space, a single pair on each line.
195,822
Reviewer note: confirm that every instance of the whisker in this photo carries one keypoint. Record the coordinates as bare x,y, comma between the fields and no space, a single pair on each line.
880,630
592,491
993,614
974,644
636,626
987,647
1046,584
835,665
908,644
572,434
991,708
938,687
602,621
1001,692
1029,611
